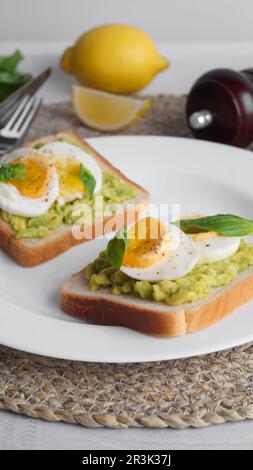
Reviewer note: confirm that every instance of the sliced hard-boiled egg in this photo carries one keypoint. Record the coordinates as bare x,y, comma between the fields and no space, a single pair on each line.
148,242
151,255
38,175
34,195
212,246
67,159
216,248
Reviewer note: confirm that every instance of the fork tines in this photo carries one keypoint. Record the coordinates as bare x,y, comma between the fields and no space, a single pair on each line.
21,118
17,125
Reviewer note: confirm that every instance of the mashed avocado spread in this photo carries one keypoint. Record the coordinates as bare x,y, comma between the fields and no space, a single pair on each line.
114,191
189,288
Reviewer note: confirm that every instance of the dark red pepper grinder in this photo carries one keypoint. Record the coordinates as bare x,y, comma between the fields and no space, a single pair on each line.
220,107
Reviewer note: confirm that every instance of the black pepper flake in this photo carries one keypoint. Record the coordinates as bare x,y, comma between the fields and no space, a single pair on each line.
208,245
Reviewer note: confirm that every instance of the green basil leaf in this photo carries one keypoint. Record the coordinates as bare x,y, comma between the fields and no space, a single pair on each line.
116,248
6,90
88,180
10,62
14,78
39,145
224,224
10,78
10,171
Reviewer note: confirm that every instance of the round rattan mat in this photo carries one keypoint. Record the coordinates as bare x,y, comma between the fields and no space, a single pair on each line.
196,392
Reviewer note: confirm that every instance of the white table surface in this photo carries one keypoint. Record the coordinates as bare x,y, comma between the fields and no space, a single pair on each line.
19,432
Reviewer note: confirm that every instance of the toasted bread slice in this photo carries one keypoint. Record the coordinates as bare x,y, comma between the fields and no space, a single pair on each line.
151,317
33,251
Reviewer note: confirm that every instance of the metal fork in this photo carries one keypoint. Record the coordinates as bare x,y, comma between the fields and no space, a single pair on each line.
8,106
15,129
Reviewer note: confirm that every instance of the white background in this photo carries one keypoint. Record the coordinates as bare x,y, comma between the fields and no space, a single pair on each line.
165,20
196,35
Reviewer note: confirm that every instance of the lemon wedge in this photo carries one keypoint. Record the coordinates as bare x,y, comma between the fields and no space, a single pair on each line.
106,111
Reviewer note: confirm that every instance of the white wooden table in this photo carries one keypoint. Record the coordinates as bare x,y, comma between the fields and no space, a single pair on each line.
19,432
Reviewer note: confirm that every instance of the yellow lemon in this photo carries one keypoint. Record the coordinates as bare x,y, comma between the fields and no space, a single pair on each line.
105,111
115,58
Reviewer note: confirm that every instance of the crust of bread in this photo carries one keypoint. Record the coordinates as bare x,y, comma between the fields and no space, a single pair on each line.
152,317
32,252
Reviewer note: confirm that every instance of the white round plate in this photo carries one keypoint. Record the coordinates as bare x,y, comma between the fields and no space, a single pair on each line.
202,177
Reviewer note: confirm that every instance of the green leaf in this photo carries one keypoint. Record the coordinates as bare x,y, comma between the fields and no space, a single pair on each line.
10,62
39,145
14,78
10,171
224,224
88,180
116,248
10,78
6,90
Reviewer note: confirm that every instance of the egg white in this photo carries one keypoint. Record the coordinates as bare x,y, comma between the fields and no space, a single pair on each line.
179,262
66,150
13,202
217,248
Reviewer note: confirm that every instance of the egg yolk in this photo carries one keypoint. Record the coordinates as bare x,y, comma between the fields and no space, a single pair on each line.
68,170
193,232
38,175
203,236
148,243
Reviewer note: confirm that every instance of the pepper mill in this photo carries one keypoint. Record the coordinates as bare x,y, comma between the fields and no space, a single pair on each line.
220,107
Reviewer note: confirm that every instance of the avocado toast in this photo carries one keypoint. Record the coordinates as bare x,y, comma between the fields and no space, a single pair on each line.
156,290
33,239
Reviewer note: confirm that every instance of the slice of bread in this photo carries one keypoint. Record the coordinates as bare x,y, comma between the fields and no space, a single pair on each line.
33,251
151,317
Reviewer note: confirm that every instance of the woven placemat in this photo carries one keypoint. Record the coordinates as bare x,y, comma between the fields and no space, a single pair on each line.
196,392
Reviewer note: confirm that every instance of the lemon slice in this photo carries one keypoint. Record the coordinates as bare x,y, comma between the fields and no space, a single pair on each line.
105,111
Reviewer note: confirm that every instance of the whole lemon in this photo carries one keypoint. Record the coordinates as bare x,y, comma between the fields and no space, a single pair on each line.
115,58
